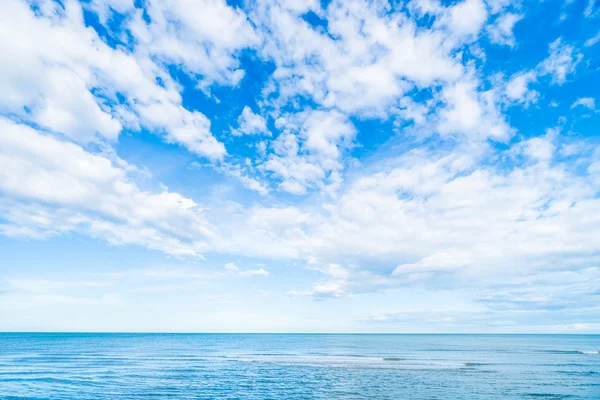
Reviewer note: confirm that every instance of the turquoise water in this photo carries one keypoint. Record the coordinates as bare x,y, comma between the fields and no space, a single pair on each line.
247,366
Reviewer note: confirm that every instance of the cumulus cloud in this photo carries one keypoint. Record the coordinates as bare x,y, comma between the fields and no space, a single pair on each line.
517,88
472,113
370,57
443,214
309,151
53,187
250,123
204,39
366,63
87,90
501,31
467,17
389,158
561,62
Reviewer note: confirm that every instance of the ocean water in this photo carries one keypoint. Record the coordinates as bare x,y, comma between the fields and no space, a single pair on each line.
273,366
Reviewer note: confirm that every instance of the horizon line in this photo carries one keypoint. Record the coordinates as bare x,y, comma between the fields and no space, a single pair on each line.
295,333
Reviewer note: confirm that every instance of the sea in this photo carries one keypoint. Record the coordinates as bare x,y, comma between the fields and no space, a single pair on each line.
298,366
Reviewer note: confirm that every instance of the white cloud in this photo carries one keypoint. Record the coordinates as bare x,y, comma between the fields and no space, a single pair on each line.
233,270
587,102
501,31
496,6
471,113
365,65
68,107
538,302
104,8
411,110
467,17
439,212
250,124
593,40
278,219
72,79
310,149
562,61
369,59
537,149
448,259
431,198
517,88
244,174
337,284
57,187
37,75
589,9
204,40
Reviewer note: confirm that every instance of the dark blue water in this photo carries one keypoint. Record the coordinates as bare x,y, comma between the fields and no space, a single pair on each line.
231,366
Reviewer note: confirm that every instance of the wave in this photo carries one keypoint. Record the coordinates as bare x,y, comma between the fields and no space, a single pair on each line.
476,364
352,362
571,351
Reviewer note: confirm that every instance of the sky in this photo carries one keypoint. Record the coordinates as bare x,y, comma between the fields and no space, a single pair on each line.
300,166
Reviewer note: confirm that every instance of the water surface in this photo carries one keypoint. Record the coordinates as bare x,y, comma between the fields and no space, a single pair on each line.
283,366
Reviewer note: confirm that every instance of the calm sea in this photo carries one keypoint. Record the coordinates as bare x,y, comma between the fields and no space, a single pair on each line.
273,366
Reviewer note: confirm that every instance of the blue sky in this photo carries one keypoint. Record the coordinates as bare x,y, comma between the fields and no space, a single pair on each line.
300,166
